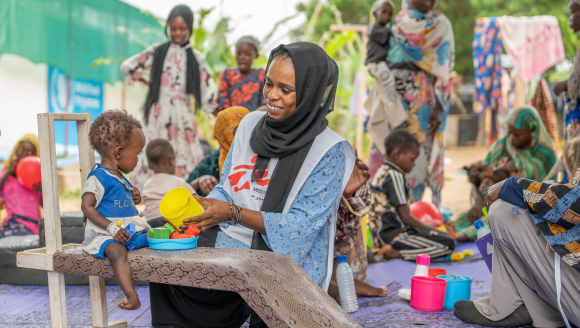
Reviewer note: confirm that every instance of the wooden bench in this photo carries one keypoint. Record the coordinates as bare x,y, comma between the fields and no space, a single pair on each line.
274,285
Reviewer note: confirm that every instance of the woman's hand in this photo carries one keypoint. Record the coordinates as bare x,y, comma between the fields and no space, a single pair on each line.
360,175
12,168
493,193
474,214
436,118
136,196
216,212
143,80
205,183
561,87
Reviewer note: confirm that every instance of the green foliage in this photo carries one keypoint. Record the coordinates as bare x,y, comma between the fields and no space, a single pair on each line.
70,194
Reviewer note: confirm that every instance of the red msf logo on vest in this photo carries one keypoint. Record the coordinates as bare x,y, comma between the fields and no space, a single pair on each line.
239,180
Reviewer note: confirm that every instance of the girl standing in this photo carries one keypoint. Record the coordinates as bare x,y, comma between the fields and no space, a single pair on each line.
177,71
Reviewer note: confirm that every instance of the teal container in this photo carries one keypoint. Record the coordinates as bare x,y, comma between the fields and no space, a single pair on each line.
172,244
458,288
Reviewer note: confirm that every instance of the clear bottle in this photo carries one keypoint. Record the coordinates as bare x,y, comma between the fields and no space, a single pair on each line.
345,282
483,231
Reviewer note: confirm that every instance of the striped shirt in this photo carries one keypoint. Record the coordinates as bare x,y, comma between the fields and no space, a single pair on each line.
389,190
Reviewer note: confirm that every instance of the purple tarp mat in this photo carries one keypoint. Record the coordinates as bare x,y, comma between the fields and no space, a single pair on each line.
28,306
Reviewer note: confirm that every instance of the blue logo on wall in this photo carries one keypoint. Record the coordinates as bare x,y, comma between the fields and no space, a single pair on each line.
85,96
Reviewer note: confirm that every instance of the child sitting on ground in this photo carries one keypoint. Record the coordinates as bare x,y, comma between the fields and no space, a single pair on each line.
243,86
108,197
161,159
395,231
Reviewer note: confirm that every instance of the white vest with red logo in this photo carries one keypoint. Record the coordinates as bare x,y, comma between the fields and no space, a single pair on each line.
250,194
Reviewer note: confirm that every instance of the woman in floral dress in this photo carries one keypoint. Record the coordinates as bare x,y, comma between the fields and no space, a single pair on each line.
177,72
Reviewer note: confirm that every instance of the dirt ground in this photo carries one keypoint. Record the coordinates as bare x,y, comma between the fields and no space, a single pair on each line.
456,191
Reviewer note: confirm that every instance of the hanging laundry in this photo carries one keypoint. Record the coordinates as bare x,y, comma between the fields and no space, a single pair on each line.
543,103
487,49
534,43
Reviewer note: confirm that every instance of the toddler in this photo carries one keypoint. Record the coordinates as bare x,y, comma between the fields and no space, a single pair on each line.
379,33
109,197
161,159
396,232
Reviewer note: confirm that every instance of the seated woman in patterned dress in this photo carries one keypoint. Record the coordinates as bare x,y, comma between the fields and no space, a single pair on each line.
279,191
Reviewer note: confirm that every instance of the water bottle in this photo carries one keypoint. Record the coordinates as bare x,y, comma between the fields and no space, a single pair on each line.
483,231
345,282
422,269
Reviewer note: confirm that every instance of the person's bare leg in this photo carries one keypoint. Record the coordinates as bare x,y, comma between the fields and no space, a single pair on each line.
388,252
117,254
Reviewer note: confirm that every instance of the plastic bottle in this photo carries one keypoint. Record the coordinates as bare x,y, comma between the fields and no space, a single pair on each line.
345,282
422,269
483,231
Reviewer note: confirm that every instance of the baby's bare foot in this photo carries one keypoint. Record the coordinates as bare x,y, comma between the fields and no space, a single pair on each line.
130,303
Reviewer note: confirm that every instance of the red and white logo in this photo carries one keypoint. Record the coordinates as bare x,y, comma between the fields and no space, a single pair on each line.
239,180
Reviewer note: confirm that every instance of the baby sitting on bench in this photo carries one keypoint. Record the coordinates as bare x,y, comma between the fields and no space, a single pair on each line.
108,198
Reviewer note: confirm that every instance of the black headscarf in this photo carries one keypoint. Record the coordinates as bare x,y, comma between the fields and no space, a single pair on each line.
290,138
193,83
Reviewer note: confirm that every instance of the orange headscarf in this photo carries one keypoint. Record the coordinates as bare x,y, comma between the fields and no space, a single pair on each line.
226,122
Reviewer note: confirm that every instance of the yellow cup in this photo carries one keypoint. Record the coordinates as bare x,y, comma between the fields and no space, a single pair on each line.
178,205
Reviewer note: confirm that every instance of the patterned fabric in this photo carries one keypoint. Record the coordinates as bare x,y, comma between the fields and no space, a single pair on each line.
571,117
419,97
208,166
533,163
543,103
555,209
226,122
427,39
300,232
238,90
172,117
13,228
20,201
348,219
487,49
389,189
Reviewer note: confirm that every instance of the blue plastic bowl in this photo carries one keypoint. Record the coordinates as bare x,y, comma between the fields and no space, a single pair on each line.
458,288
172,244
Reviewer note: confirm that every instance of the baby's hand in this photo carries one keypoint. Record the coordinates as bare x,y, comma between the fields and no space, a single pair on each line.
122,236
136,196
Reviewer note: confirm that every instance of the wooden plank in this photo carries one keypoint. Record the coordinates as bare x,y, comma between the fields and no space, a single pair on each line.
98,301
114,324
33,260
57,300
49,183
70,117
362,90
86,152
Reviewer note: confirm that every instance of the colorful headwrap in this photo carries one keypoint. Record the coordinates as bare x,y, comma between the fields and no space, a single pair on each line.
226,122
32,138
533,163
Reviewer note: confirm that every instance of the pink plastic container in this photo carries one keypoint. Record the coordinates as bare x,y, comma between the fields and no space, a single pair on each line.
428,293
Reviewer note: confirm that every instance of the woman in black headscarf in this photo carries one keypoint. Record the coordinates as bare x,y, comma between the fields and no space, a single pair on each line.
280,187
177,71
